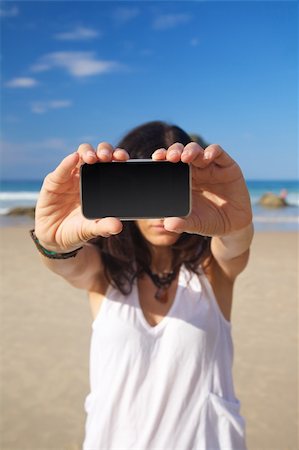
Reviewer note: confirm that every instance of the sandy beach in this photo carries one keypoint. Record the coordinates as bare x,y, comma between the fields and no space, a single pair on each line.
45,332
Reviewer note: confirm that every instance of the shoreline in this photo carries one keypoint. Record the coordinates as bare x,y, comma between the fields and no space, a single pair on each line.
261,223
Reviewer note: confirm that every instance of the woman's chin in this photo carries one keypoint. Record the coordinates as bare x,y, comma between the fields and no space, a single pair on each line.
154,232
163,239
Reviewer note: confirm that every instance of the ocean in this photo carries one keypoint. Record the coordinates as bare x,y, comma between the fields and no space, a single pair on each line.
24,193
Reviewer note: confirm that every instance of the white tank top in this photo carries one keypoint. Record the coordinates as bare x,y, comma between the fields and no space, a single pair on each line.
167,387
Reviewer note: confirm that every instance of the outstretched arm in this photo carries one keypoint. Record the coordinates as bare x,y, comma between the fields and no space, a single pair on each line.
221,205
59,224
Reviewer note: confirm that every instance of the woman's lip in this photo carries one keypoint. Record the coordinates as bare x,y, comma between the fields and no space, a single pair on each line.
159,228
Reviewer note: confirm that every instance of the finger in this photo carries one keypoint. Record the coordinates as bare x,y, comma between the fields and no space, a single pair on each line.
120,154
159,155
87,154
215,153
64,171
194,153
104,152
175,224
101,227
174,152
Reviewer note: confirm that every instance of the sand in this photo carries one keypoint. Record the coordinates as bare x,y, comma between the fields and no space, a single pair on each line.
45,332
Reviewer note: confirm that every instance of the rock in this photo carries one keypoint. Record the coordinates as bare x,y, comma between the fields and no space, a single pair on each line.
22,211
270,200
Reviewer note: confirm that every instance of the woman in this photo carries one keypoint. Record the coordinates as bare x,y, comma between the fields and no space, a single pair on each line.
160,292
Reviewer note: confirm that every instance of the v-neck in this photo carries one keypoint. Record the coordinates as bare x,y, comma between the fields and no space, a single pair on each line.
165,319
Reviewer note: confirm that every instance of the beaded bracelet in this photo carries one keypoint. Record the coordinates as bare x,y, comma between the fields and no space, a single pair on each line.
50,254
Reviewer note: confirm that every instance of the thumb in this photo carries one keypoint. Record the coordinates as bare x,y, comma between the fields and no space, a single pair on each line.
101,227
175,224
63,172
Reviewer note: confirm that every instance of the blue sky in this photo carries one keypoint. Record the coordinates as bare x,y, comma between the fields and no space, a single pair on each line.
76,72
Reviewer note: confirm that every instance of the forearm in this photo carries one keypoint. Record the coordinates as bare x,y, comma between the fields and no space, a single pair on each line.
65,267
77,270
232,245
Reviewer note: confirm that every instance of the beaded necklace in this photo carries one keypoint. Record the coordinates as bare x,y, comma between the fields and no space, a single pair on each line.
162,282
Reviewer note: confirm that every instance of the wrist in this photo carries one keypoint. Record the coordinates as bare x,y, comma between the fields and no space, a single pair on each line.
241,234
48,251
51,246
233,244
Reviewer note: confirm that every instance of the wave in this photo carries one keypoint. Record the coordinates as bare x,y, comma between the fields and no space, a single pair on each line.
292,199
276,219
4,211
5,196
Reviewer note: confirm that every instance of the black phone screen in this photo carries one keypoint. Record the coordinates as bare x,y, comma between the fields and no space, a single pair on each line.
135,189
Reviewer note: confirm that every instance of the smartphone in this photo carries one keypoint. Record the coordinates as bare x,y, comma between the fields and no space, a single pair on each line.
135,189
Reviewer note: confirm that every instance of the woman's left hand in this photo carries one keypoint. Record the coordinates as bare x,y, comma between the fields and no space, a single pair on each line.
220,198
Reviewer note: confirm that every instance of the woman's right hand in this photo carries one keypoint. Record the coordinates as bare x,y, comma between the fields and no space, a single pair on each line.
59,223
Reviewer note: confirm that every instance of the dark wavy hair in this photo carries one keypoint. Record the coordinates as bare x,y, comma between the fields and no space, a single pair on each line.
127,254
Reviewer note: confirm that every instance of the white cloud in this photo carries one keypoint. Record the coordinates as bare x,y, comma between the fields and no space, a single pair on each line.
77,64
51,144
17,148
21,83
11,118
194,42
33,158
166,21
124,15
146,52
78,34
56,104
13,11
43,107
48,144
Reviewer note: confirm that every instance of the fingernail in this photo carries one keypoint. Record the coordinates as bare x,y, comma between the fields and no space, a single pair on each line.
105,152
91,154
177,230
207,155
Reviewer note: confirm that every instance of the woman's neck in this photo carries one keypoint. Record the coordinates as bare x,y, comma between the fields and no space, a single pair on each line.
161,259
